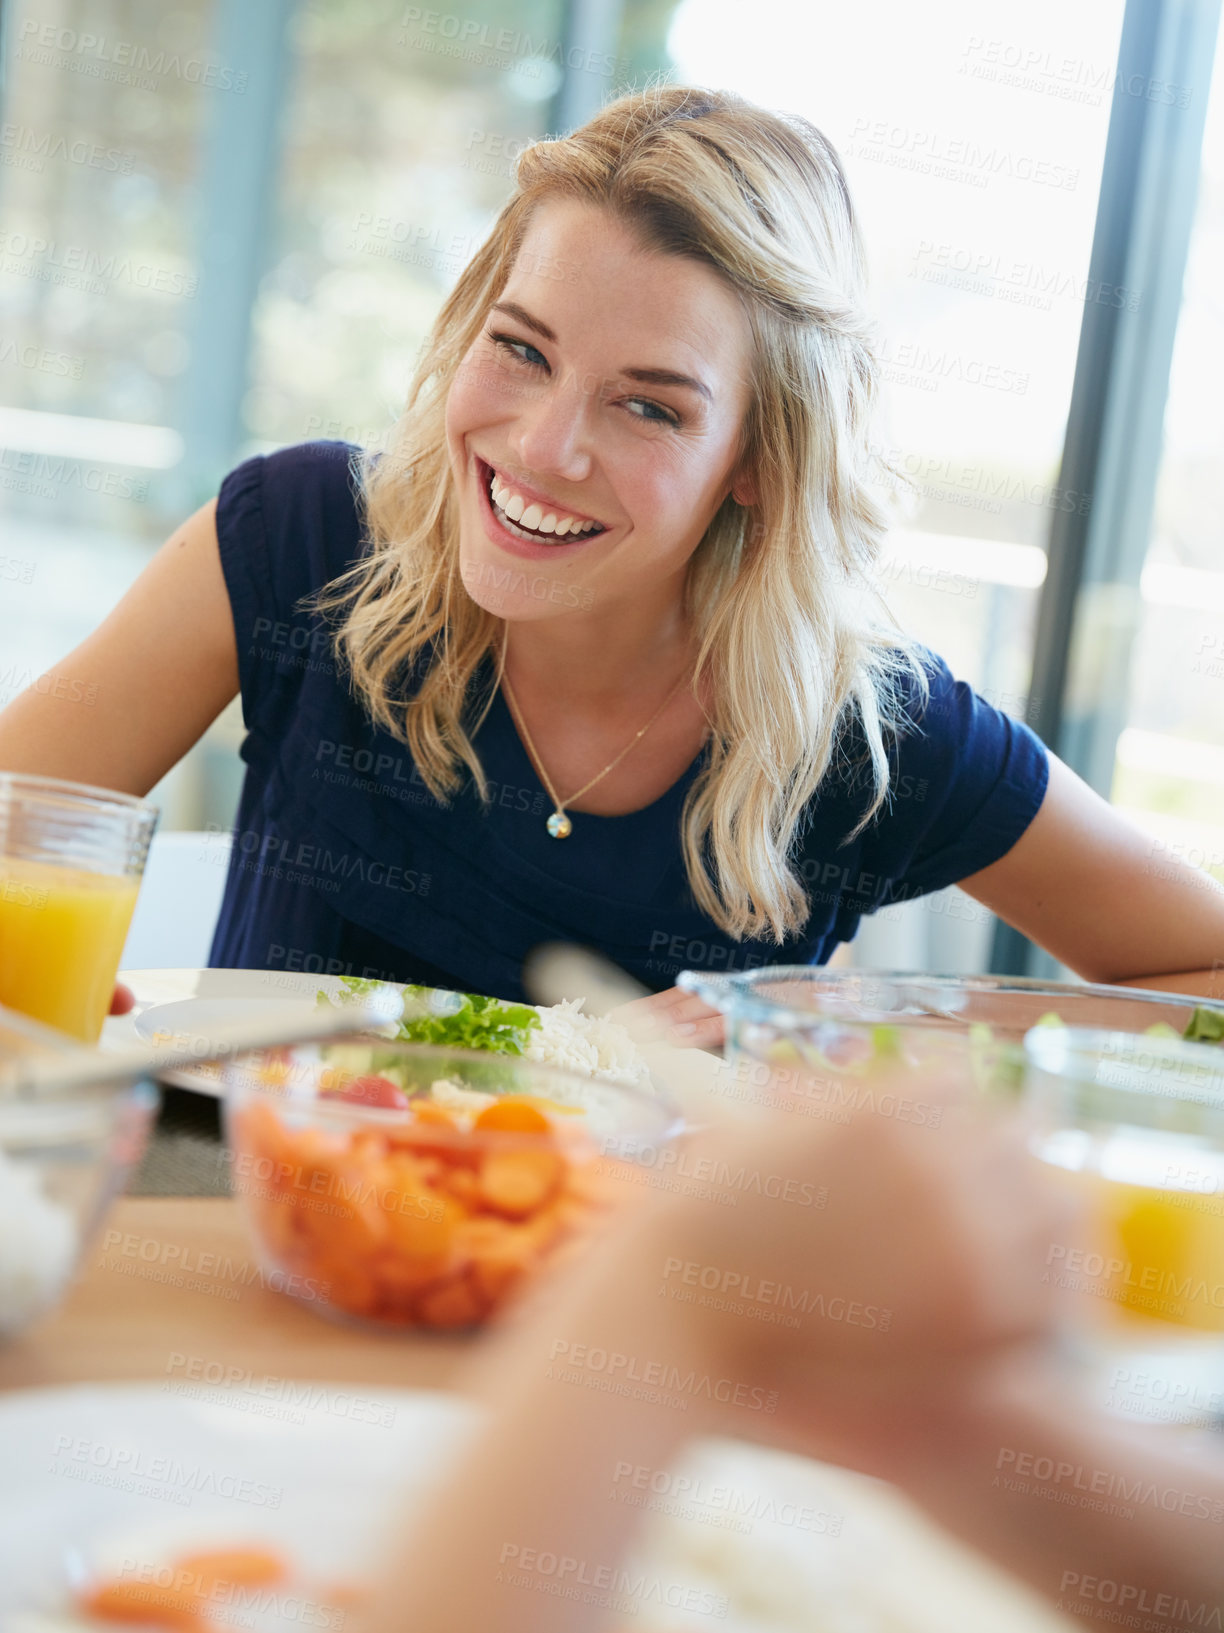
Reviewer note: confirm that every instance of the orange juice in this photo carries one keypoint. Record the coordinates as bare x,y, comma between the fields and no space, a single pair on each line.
1151,1248
1172,1245
62,931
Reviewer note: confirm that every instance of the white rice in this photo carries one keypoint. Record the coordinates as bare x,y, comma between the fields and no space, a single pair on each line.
38,1244
591,1045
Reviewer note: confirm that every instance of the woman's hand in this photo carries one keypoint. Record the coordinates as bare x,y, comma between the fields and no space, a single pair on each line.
676,1017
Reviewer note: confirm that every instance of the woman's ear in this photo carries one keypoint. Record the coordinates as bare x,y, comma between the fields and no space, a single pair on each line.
744,488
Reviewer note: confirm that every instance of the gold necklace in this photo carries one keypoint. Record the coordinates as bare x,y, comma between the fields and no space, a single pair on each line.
559,824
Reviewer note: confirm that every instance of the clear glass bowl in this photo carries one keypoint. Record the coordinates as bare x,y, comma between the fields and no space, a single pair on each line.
819,1022
427,1215
63,1159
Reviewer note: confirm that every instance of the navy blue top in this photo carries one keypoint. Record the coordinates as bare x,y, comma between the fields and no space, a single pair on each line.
344,863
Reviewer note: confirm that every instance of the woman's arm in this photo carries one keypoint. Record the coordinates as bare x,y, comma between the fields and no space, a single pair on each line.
159,670
530,1511
1083,1506
951,1399
1105,898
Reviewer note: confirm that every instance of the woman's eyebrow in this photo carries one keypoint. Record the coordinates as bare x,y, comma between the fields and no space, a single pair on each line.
653,377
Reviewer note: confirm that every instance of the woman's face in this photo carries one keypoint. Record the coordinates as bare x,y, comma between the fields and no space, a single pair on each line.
608,385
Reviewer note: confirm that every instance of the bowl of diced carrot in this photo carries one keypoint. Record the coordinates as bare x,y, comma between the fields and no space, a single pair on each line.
413,1186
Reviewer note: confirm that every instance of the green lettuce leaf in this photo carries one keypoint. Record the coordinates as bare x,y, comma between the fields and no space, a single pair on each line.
1205,1026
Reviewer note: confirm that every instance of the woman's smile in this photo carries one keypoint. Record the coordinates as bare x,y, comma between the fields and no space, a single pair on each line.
504,530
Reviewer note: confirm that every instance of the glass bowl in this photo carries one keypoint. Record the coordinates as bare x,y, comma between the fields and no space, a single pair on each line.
825,1026
434,1210
64,1156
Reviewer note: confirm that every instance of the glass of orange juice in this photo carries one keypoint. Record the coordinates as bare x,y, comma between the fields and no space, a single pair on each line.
1134,1126
71,861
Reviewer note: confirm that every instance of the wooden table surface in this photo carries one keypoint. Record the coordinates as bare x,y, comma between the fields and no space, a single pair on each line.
170,1288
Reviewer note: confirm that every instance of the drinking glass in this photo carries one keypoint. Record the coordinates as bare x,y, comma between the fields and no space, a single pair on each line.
1134,1126
71,861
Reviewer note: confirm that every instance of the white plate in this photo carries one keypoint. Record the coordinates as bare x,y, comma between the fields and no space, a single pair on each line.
188,1005
96,1476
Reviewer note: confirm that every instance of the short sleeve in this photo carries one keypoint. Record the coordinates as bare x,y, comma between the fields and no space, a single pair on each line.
287,524
967,781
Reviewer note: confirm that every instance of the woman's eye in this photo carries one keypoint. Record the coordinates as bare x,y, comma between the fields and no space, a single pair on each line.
655,413
659,415
507,343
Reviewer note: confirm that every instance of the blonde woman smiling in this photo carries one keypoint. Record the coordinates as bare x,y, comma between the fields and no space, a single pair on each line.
592,651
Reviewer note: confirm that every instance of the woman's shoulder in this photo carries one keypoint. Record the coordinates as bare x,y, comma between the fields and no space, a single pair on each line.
288,523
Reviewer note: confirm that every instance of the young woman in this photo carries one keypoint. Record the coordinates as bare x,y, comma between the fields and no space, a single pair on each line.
592,651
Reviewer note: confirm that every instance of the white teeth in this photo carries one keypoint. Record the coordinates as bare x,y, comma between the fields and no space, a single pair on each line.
534,516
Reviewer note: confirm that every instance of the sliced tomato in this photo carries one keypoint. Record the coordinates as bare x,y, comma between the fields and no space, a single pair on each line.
370,1091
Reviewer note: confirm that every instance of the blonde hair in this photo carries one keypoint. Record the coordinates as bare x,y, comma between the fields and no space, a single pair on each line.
791,632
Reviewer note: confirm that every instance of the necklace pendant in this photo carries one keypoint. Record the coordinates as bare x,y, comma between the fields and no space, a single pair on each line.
559,825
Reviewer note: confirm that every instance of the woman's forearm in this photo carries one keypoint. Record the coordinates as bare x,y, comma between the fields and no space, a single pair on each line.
1195,983
1090,1510
528,1530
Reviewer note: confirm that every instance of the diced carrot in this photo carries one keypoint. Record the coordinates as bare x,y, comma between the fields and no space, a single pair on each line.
463,1185
499,1254
422,1225
516,1183
513,1114
453,1304
247,1566
147,1604
429,1111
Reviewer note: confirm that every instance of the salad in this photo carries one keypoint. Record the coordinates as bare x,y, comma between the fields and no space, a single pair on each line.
559,1035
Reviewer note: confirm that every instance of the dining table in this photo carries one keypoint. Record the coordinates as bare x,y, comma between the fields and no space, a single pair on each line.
169,1297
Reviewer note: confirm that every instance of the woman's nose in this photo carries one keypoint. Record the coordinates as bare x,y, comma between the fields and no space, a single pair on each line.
552,432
